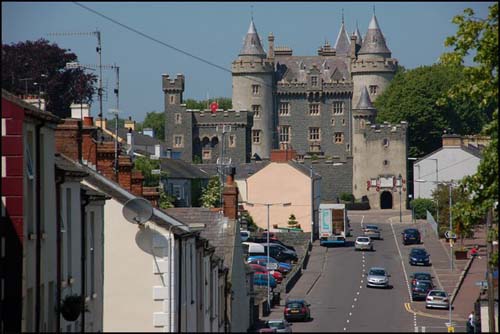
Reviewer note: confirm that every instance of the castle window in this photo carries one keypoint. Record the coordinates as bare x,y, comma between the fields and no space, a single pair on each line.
314,134
362,124
178,118
333,121
385,142
178,141
373,89
338,107
256,110
284,134
256,90
314,109
256,136
339,137
348,147
284,109
172,98
386,162
232,140
207,154
314,81
343,121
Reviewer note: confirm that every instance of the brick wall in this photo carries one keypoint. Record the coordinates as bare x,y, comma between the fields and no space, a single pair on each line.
125,172
69,138
136,183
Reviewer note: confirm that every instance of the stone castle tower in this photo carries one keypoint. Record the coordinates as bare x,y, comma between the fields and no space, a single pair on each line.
253,91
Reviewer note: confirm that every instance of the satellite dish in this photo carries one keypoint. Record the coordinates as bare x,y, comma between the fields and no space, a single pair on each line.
137,210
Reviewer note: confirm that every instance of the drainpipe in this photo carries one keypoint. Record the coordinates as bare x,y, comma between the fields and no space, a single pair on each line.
38,245
59,182
170,266
179,303
84,200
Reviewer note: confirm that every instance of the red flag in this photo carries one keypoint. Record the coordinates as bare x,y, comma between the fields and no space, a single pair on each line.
214,106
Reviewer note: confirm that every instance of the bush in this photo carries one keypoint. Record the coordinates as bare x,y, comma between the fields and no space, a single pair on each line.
346,197
421,205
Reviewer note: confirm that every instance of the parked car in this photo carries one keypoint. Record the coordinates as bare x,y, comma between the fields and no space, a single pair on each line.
297,309
419,256
281,253
420,289
261,280
377,277
262,240
252,248
420,276
411,236
281,325
262,260
244,235
437,298
372,231
267,330
363,243
262,269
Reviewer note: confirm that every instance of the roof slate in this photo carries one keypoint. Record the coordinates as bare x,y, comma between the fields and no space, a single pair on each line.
252,45
243,170
364,100
374,41
296,68
342,45
179,169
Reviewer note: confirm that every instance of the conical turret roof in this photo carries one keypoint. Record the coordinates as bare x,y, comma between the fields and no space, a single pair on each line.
356,33
342,45
251,45
374,41
364,103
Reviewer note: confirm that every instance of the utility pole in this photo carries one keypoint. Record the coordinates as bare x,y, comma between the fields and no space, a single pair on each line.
489,274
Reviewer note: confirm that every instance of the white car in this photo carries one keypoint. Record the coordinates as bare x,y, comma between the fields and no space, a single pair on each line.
378,278
281,326
372,231
363,243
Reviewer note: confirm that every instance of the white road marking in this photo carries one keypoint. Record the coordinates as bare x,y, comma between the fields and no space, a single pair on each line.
362,218
360,286
347,320
350,313
353,306
345,329
355,299
361,281
357,292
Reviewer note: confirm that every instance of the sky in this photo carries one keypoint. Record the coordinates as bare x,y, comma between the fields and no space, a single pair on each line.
414,31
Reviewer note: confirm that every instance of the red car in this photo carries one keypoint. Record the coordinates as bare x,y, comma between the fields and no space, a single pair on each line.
262,270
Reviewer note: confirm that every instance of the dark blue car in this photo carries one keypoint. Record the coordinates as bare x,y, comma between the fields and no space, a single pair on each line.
419,256
261,279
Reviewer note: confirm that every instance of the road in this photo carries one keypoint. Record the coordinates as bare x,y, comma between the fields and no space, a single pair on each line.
340,300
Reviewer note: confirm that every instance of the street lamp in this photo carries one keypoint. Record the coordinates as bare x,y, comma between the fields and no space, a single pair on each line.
400,185
267,264
437,181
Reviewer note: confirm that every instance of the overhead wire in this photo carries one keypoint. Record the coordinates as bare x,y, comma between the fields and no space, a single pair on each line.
164,43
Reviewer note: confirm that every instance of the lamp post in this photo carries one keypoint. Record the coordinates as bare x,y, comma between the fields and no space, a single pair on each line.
268,205
437,181
400,185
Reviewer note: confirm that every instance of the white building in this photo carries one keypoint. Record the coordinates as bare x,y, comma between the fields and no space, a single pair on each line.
452,161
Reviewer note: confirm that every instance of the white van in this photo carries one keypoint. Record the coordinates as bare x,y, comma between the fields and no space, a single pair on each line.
244,235
253,248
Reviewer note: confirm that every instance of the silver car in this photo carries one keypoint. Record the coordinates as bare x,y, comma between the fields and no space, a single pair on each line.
377,277
281,325
363,243
437,298
372,231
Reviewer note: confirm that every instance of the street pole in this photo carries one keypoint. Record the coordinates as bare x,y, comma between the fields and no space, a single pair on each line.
268,278
437,198
400,186
489,275
451,225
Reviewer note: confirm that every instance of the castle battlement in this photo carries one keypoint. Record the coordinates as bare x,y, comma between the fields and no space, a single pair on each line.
377,131
173,85
382,65
283,51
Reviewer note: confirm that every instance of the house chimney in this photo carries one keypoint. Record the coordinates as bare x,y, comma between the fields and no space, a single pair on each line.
80,110
230,195
130,142
101,123
68,136
129,123
451,140
89,145
284,154
136,186
125,172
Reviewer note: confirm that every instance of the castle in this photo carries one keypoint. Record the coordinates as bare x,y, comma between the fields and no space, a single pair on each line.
321,106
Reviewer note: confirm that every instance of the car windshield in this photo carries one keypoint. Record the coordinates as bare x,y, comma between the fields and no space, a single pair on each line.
422,276
294,305
363,239
377,272
411,231
418,251
438,293
279,324
423,285
371,227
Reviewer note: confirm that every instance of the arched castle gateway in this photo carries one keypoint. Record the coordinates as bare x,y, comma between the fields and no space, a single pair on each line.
320,105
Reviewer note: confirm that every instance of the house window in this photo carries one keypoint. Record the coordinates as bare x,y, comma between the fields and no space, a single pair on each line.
284,109
178,118
385,142
178,141
256,110
338,107
314,81
373,89
207,154
314,134
256,136
314,109
339,137
232,140
256,90
284,134
343,121
172,98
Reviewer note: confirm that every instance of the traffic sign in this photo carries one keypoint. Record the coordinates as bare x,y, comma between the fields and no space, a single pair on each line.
483,284
450,235
271,266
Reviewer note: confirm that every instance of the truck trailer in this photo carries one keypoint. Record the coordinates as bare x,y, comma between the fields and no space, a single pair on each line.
334,225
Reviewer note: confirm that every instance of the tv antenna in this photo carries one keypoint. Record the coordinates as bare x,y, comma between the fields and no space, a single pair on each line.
137,210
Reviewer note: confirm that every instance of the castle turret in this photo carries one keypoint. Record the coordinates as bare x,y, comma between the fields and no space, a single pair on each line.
373,68
342,44
252,90
359,41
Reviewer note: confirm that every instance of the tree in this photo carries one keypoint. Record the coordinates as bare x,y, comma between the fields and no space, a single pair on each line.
292,221
225,103
210,197
156,121
421,206
412,96
110,123
166,201
146,165
44,64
